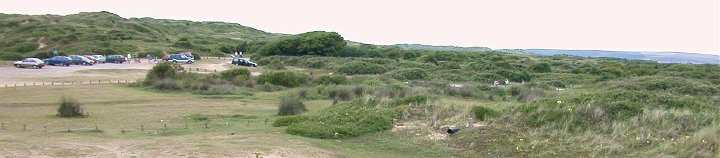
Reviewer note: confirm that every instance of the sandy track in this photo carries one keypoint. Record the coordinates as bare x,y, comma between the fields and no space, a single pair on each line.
11,75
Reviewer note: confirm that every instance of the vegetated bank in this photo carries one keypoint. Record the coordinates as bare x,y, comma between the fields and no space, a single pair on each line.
553,106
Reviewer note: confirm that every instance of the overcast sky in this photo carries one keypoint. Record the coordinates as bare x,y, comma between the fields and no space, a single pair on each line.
637,25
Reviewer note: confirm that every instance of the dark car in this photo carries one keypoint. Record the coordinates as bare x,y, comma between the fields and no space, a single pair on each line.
115,59
180,58
243,62
80,60
59,60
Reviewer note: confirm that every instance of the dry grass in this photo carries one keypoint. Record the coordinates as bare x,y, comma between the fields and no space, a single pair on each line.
120,111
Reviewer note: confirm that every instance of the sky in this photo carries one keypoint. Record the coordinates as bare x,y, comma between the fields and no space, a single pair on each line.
626,25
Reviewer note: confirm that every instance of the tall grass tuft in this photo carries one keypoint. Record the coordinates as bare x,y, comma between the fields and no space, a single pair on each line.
291,105
70,107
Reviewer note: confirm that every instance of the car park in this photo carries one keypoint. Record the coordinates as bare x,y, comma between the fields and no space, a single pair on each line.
115,59
180,58
29,62
59,60
243,62
80,60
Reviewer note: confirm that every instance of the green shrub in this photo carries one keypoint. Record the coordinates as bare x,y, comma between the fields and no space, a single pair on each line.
408,74
166,84
283,78
288,120
11,56
315,64
540,67
291,106
341,92
414,99
347,120
163,70
483,113
269,87
70,108
360,67
331,79
233,73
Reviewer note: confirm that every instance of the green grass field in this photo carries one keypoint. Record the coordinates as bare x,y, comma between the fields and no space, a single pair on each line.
116,108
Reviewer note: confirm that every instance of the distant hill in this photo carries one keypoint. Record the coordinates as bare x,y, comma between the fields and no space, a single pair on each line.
441,48
663,57
107,32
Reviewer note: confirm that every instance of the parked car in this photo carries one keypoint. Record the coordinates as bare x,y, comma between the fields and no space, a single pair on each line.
243,62
100,58
180,58
80,60
115,59
91,58
30,62
59,60
188,54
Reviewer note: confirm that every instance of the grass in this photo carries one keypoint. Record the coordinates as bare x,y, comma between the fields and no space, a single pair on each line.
115,108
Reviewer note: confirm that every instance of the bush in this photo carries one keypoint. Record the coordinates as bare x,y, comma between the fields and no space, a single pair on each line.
540,67
233,73
288,120
408,74
291,106
70,108
342,93
347,120
166,84
415,99
331,79
482,113
283,78
360,67
11,56
164,70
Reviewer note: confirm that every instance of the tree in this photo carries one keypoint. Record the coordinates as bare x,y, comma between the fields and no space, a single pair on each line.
310,43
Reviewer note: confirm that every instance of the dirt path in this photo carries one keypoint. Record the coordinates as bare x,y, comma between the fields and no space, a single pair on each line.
12,75
40,44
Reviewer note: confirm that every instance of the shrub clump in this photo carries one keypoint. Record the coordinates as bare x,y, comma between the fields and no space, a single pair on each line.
360,68
291,106
343,121
287,120
283,78
331,79
231,74
408,74
483,113
11,56
162,71
70,108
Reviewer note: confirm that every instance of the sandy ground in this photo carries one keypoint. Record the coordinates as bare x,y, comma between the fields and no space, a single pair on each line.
105,72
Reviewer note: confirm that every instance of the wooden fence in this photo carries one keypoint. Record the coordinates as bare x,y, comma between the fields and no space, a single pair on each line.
62,83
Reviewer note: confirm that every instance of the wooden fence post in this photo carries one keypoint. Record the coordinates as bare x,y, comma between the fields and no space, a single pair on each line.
206,124
165,127
186,126
24,126
142,128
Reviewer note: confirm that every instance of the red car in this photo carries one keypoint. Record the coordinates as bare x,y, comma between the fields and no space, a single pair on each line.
91,58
